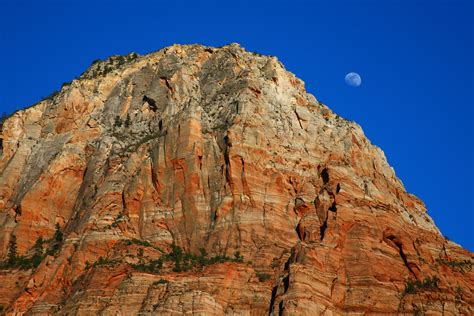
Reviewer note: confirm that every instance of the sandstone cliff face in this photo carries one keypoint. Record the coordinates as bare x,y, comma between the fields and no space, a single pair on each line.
220,149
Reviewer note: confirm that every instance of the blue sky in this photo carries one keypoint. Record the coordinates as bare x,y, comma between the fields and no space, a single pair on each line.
415,58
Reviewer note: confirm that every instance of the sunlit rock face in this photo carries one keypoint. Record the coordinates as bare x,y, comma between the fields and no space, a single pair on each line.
214,150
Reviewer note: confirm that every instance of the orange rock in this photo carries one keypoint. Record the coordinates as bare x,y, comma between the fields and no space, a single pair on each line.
227,152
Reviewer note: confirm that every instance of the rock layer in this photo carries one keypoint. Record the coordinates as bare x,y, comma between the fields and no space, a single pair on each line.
223,150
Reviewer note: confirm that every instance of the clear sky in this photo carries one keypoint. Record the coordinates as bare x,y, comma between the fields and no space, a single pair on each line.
415,58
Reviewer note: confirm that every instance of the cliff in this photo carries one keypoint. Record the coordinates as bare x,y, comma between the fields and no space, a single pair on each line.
208,181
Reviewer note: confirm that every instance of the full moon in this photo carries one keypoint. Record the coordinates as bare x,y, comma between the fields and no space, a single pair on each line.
353,79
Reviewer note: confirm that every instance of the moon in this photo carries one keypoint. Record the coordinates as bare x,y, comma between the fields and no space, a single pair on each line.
353,79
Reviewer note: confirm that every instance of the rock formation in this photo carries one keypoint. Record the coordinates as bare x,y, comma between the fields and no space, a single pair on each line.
208,181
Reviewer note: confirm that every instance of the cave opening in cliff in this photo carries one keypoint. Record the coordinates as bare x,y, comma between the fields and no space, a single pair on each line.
325,175
151,103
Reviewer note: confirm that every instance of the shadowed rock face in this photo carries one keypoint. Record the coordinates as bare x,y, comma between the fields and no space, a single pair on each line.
221,149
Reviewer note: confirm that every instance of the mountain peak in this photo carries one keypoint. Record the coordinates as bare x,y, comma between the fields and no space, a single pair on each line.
201,179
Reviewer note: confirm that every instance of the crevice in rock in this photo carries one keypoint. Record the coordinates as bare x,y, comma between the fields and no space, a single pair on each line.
17,209
245,185
151,103
293,258
226,158
281,308
443,250
294,185
366,188
160,125
300,231
286,267
399,245
338,188
167,83
227,174
154,179
272,300
124,203
299,202
299,119
325,175
322,229
416,249
227,142
200,162
323,203
286,283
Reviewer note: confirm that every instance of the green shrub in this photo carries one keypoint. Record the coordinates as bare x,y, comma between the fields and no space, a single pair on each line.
128,121
147,138
66,84
15,261
184,261
202,258
120,217
54,249
262,277
58,234
118,121
106,262
176,256
410,288
51,96
18,210
238,257
39,244
429,283
12,253
102,67
39,253
141,242
457,265
56,242
458,295
161,281
153,266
